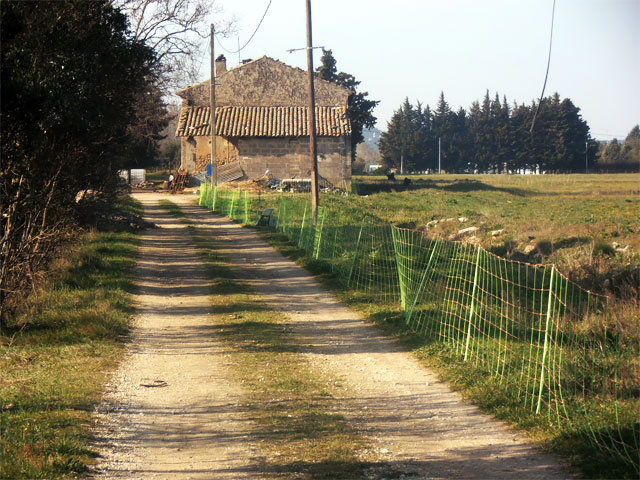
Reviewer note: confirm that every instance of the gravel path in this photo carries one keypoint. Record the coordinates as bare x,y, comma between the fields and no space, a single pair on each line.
418,425
172,409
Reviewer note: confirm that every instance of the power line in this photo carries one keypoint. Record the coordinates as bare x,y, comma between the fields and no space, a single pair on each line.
553,14
252,35
204,51
609,135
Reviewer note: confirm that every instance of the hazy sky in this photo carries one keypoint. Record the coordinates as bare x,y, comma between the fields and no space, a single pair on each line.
418,48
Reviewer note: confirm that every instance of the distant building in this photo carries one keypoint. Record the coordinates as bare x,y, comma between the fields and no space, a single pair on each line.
261,123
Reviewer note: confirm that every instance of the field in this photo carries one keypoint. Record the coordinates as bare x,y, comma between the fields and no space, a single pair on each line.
587,225
570,220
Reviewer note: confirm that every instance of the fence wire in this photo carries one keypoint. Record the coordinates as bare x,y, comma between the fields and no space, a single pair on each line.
551,346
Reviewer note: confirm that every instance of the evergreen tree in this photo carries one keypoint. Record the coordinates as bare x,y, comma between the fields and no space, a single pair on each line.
573,138
542,143
428,159
495,137
404,141
521,118
359,107
443,130
480,125
71,75
459,146
501,132
328,70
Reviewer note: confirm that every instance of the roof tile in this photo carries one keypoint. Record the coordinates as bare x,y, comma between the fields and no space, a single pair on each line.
262,121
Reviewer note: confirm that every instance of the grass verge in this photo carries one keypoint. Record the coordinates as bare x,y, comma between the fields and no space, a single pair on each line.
56,352
290,402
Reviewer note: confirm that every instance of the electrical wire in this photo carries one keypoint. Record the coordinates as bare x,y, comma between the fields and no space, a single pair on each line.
609,135
204,51
252,35
553,13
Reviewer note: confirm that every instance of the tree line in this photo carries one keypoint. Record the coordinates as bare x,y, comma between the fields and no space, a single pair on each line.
615,156
491,137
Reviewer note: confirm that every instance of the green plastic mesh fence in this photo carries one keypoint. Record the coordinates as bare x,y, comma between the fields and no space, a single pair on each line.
552,347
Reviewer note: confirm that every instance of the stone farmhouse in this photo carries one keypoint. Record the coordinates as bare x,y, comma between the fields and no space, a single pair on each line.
261,123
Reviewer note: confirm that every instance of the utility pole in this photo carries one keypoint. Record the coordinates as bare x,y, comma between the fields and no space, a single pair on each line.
313,146
586,157
212,120
439,154
401,164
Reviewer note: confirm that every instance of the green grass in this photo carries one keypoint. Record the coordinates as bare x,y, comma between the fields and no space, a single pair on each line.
301,436
561,216
56,353
572,221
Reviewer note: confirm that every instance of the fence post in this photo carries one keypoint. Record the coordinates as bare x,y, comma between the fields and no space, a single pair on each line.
318,239
304,218
422,280
403,287
335,242
281,213
233,200
473,303
203,187
246,208
355,254
546,338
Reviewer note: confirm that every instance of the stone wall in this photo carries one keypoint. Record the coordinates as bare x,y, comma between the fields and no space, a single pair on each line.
289,158
196,152
283,157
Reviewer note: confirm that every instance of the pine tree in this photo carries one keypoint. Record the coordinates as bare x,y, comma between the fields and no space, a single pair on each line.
404,141
573,137
443,128
327,70
359,107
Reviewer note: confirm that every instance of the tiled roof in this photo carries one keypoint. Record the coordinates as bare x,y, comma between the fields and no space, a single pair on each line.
262,122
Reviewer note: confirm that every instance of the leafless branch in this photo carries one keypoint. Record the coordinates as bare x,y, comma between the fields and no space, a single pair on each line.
176,30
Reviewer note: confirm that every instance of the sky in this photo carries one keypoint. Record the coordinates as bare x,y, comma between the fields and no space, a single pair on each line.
416,49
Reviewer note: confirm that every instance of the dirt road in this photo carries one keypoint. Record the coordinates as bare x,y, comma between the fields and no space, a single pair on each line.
172,410
194,427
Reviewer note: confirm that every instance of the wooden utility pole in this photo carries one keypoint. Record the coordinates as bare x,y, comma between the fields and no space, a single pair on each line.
212,119
313,146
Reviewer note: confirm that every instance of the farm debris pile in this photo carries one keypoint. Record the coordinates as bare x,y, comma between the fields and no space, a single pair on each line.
146,185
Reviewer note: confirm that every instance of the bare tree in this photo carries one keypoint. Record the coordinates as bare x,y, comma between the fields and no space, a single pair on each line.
177,31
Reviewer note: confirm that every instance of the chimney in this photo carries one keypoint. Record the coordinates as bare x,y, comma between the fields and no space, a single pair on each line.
221,65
